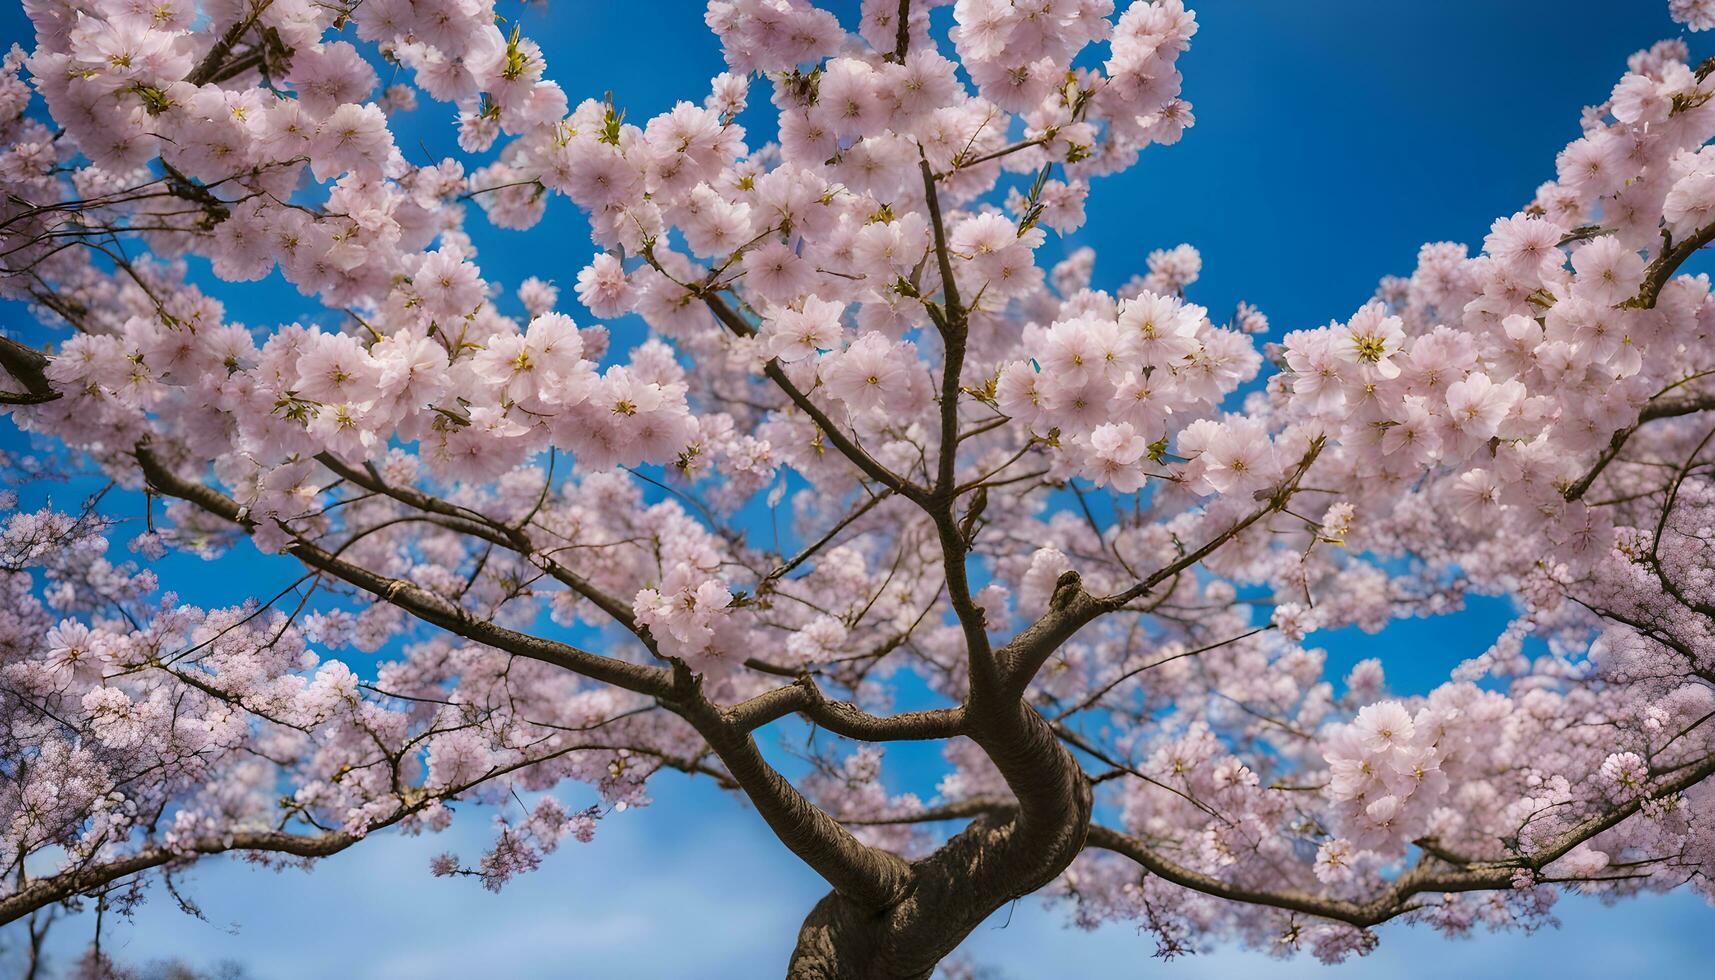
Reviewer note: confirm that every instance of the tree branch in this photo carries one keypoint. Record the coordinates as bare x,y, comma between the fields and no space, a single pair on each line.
1071,607
419,602
902,32
849,449
955,544
842,717
1656,409
27,365
45,891
871,876
1666,264
865,874
1424,877
481,526
976,806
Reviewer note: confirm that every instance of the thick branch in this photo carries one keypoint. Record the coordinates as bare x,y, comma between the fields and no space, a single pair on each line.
56,888
1425,877
976,806
869,876
26,364
1071,608
210,66
954,539
1655,278
1667,263
1665,408
419,602
479,525
844,718
902,31
865,874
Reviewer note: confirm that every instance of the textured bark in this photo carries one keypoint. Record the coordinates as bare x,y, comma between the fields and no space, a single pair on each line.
998,858
949,895
840,939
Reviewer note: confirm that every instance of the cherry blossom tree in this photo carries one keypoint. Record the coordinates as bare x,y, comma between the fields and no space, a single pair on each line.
1095,528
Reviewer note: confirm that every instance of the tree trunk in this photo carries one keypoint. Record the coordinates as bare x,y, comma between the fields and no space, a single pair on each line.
950,894
840,940
991,862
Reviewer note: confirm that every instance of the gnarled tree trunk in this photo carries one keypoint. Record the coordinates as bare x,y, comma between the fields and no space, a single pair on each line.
995,860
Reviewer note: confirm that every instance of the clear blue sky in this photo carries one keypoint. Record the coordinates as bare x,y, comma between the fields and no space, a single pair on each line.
1333,138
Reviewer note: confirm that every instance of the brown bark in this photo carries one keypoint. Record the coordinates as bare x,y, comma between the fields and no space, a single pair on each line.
998,858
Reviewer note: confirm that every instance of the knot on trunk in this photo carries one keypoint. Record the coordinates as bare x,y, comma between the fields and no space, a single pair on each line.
1066,590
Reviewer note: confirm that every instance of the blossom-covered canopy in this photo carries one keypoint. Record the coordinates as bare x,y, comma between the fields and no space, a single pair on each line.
1097,528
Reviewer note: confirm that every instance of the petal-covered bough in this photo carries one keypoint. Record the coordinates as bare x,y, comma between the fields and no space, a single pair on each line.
1080,533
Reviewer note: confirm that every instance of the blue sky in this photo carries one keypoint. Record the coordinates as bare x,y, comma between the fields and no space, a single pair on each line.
1333,138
